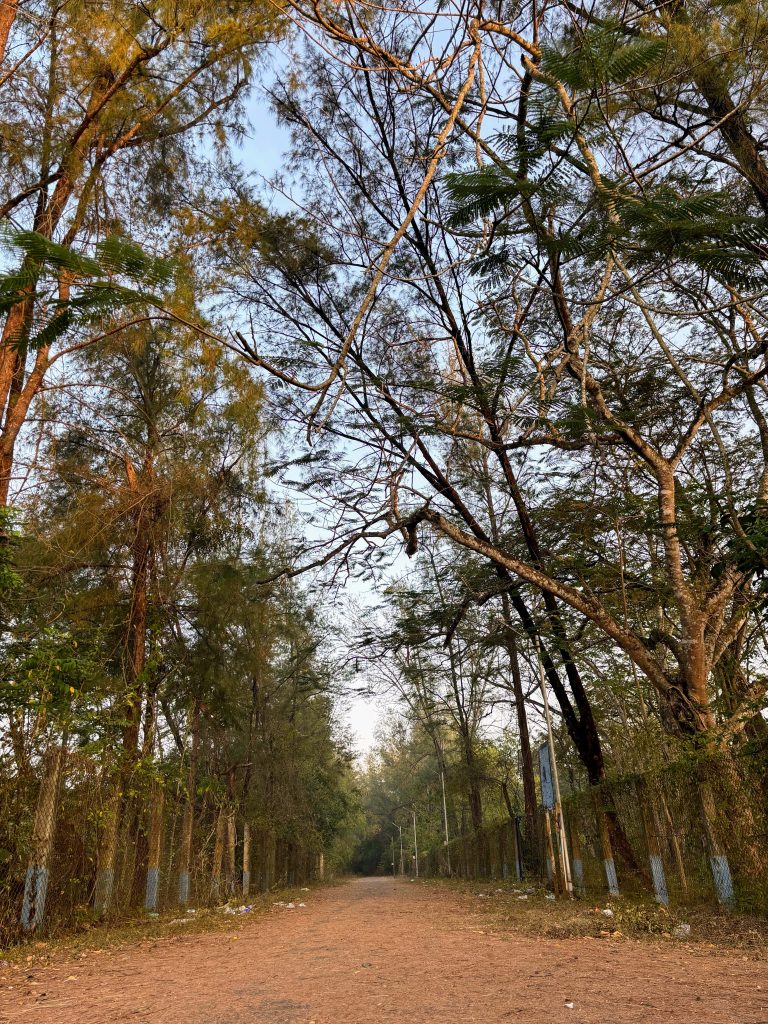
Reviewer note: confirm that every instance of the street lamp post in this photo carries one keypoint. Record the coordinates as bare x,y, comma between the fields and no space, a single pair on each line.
445,820
415,843
402,868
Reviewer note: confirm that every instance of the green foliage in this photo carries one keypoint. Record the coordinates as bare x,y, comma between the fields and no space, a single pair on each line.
117,276
749,547
699,229
9,578
601,56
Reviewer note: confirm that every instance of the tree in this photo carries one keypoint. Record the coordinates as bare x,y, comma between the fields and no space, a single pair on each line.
119,92
568,351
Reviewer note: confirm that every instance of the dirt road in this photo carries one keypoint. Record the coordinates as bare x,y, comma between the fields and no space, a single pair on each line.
378,951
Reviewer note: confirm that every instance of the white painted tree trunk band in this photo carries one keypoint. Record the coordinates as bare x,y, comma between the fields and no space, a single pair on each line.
183,888
150,899
721,873
102,895
35,892
578,872
659,879
610,876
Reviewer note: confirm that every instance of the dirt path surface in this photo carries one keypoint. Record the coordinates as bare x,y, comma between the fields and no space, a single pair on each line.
378,951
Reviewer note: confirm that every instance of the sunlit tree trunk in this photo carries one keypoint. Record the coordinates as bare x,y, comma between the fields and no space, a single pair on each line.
38,869
7,18
107,850
120,808
155,842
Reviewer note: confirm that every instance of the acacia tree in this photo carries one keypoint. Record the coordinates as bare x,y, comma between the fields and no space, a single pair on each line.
569,330
366,152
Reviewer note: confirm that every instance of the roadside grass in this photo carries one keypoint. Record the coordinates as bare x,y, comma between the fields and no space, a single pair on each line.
139,927
508,908
526,910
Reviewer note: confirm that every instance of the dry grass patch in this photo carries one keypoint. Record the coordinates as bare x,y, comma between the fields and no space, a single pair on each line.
140,928
527,910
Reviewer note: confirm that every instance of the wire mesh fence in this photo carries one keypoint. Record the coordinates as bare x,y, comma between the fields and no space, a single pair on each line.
690,832
79,842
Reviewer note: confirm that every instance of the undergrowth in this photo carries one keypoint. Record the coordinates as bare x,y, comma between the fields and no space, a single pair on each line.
139,926
527,910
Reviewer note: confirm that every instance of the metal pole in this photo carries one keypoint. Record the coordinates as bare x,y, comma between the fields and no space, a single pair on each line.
559,820
445,821
415,844
402,870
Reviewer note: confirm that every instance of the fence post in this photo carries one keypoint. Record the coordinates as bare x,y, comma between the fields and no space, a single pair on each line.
648,818
155,839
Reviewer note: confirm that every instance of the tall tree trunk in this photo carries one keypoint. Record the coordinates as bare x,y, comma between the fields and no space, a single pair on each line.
231,852
120,808
246,860
185,854
139,825
38,869
7,18
218,854
473,785
106,855
269,859
526,756
580,721
737,822
581,726
17,389
154,847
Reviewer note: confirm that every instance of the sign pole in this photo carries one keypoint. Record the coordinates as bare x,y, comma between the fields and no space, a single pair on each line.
559,820
445,821
415,844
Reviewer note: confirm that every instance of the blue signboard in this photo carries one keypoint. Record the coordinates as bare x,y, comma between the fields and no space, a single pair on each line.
545,772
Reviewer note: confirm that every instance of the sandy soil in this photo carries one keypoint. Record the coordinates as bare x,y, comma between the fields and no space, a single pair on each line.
380,951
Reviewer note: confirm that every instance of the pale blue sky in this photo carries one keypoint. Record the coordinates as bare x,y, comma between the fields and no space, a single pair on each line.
263,152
